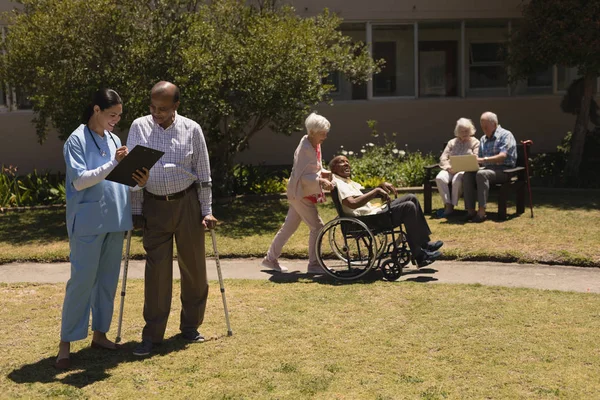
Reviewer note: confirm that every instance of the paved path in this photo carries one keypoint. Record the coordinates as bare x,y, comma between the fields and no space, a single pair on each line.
486,273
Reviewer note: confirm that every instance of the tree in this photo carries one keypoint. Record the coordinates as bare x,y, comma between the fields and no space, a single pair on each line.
560,32
240,67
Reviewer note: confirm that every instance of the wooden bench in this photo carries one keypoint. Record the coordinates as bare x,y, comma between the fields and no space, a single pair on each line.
516,184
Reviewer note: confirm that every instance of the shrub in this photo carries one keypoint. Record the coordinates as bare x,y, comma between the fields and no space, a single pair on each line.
547,169
375,163
259,179
33,189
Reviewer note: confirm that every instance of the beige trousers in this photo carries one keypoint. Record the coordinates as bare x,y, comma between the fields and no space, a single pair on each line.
300,210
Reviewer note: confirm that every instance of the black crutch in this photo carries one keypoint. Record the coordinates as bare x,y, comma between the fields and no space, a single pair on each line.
214,242
526,143
123,286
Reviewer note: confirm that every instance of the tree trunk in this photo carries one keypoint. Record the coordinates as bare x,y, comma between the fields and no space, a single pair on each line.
580,131
221,165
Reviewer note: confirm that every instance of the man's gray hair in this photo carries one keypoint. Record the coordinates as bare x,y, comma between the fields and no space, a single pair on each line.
465,123
490,116
316,123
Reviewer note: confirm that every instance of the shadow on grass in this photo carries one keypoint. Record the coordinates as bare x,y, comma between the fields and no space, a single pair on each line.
250,217
46,226
90,365
459,217
370,278
565,199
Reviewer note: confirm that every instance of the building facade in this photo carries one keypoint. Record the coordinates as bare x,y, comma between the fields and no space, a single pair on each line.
442,62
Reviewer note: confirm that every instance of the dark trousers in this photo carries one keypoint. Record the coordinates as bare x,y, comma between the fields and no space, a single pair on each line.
407,210
164,220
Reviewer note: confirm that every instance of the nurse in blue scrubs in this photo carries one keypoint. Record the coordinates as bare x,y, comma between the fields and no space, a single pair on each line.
98,214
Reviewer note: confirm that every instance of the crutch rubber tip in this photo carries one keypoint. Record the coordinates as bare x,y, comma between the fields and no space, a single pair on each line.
229,333
118,339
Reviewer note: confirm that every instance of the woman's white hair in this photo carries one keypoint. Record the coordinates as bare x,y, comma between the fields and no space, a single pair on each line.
316,123
490,116
464,123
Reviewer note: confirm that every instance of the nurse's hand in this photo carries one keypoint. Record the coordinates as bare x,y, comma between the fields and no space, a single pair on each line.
140,176
121,153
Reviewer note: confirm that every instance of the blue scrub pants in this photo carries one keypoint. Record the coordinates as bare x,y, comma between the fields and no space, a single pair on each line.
95,266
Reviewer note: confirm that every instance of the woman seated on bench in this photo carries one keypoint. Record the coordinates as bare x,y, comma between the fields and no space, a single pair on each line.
463,144
405,210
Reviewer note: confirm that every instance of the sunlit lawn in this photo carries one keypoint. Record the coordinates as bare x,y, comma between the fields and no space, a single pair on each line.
565,229
305,340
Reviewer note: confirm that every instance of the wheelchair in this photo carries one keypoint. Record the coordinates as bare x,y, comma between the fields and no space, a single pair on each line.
348,248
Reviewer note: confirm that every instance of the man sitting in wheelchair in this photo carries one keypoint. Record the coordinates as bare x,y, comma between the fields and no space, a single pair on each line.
405,210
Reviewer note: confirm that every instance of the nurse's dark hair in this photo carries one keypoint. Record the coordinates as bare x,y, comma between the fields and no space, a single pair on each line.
103,98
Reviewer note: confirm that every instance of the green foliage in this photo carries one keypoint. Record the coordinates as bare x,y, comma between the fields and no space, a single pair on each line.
240,67
250,179
30,190
560,32
548,169
556,32
376,163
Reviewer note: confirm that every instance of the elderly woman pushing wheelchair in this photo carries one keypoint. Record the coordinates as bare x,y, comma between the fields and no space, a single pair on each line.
304,191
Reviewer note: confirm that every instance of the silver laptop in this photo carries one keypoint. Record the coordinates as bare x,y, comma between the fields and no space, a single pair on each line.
464,163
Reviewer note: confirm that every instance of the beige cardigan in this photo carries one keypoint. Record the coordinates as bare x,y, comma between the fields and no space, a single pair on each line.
304,180
458,148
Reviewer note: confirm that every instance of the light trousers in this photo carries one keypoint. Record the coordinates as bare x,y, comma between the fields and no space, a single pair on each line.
300,210
443,181
95,266
477,185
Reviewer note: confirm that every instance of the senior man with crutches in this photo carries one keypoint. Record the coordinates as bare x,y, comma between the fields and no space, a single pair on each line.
176,204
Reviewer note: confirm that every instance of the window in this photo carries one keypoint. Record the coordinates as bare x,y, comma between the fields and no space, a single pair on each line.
395,44
566,76
486,66
438,59
345,89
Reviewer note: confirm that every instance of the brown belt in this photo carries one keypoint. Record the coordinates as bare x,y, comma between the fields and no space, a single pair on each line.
170,197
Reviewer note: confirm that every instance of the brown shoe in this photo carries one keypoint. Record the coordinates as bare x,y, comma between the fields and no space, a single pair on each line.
63,364
478,219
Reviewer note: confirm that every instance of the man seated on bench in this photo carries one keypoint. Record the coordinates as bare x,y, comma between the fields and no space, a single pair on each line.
405,210
497,152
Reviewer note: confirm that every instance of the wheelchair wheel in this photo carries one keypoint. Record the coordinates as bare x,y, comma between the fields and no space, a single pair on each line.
391,270
401,254
346,248
382,242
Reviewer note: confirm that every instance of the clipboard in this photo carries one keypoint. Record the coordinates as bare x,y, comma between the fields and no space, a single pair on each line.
138,158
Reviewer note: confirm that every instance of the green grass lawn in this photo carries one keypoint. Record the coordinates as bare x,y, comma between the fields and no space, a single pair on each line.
305,339
565,230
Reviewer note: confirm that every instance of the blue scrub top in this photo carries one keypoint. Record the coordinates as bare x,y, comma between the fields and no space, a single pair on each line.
104,207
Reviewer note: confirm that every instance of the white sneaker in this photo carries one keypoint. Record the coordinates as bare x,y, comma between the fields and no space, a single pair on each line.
274,265
315,269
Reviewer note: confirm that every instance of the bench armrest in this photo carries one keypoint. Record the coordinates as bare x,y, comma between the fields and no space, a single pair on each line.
429,169
513,171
